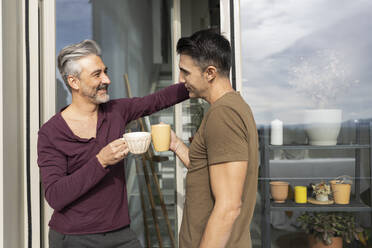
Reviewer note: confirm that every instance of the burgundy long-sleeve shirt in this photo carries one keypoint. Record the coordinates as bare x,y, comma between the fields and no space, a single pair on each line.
86,197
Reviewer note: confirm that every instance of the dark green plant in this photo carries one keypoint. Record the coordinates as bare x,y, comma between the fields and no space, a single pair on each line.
325,225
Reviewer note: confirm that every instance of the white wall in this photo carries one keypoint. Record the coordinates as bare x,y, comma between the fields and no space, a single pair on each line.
12,183
123,29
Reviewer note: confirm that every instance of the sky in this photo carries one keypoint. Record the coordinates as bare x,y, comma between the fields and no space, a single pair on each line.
295,49
73,24
284,43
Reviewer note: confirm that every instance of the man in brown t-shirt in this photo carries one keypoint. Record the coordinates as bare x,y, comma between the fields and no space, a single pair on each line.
222,161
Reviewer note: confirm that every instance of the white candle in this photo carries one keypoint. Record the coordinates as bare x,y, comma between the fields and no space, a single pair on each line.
276,132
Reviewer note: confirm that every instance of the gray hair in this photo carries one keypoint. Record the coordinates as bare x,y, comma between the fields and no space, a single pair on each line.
70,54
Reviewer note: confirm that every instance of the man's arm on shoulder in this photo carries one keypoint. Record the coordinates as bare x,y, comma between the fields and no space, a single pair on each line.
136,107
227,182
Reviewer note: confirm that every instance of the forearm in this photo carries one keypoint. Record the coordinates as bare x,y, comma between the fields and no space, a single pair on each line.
182,152
60,190
164,98
219,227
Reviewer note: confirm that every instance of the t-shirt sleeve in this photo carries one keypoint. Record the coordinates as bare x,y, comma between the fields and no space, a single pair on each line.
225,136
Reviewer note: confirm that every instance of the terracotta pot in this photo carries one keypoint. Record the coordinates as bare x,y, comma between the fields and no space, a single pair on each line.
341,192
279,191
314,243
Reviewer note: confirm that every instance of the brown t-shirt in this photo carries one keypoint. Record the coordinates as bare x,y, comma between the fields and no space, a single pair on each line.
228,133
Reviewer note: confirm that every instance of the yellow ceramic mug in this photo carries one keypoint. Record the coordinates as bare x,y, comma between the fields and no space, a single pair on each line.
300,194
160,134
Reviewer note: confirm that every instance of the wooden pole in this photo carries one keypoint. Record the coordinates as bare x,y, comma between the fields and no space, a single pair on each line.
152,202
149,157
147,235
156,180
147,179
163,206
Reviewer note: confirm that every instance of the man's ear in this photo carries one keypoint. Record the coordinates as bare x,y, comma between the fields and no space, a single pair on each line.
73,82
211,73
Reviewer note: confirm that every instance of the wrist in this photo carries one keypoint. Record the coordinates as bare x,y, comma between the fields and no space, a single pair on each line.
101,161
176,145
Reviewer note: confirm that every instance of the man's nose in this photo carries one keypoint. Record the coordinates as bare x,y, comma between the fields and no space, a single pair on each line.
106,79
181,79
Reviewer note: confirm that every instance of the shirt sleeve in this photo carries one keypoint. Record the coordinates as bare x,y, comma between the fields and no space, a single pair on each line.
136,107
62,189
225,136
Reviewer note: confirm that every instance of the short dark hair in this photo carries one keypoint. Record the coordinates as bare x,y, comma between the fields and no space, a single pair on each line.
207,47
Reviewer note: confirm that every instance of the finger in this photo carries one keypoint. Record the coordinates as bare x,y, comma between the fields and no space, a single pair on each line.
114,149
120,154
118,142
121,147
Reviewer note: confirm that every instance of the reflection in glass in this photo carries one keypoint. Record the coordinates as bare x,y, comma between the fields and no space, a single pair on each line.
297,56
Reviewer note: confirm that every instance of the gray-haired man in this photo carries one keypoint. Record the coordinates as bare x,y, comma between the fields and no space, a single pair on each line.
80,153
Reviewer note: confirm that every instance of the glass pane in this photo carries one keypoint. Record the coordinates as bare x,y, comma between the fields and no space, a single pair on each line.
300,56
135,39
195,16
73,24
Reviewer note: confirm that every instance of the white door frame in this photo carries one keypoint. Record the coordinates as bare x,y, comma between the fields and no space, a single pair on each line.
225,20
33,25
237,46
47,87
1,131
28,93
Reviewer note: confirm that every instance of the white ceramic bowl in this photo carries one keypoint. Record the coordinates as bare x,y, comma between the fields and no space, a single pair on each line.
322,126
138,142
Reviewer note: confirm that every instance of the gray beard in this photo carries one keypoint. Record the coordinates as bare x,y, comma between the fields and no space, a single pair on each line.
94,96
101,99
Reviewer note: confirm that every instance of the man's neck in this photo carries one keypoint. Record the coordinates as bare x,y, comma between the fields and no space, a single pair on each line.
81,108
219,87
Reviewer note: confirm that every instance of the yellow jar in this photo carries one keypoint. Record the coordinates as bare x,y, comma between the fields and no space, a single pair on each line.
300,194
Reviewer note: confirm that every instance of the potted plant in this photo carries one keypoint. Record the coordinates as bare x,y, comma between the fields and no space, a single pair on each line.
321,191
330,228
341,189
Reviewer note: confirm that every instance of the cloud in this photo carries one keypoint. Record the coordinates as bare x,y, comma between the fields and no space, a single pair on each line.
276,34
